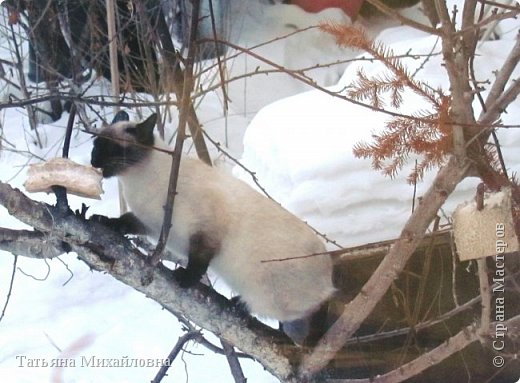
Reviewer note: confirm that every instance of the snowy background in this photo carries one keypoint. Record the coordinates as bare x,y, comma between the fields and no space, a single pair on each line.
300,148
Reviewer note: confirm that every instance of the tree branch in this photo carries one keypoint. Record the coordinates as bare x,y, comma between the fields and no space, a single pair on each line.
105,251
456,343
492,109
393,263
234,364
501,103
178,77
192,335
23,242
404,20
455,58
184,112
9,292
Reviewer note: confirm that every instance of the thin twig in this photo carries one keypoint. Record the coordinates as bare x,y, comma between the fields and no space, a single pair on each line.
498,86
178,76
485,293
221,71
501,103
515,7
455,344
298,75
234,363
185,107
217,350
112,46
500,155
89,100
10,290
484,108
494,17
75,84
23,86
418,327
192,335
404,20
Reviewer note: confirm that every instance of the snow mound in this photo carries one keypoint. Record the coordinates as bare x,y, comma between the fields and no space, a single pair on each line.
300,148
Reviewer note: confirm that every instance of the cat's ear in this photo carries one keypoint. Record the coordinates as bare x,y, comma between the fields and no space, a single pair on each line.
145,130
120,116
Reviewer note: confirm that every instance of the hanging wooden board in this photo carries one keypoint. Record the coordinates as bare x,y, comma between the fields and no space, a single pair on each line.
487,232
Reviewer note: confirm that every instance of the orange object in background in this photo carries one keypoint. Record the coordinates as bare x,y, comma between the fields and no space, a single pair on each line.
350,7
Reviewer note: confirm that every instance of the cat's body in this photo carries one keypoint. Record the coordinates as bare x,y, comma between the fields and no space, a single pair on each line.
220,221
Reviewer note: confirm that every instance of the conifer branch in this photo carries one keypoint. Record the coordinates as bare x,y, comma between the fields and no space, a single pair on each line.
426,134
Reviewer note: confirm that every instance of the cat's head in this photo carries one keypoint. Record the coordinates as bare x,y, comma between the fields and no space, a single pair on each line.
122,144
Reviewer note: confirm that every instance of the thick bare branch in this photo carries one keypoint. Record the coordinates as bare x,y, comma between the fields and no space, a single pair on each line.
375,288
23,242
456,59
234,363
192,335
114,255
492,109
70,228
501,103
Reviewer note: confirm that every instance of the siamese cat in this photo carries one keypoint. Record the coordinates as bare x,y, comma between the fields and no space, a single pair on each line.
218,221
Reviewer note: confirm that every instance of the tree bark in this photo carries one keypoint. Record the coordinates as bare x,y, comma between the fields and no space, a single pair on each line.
108,252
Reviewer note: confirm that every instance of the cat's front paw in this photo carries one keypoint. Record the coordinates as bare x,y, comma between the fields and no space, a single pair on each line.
184,278
83,212
240,307
111,223
100,219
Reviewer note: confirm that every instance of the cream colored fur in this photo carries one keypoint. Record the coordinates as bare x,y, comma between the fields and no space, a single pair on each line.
250,228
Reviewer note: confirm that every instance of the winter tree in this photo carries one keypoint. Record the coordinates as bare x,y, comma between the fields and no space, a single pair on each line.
407,308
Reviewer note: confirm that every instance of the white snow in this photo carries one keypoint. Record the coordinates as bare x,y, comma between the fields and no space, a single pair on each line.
305,49
301,150
270,32
80,314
